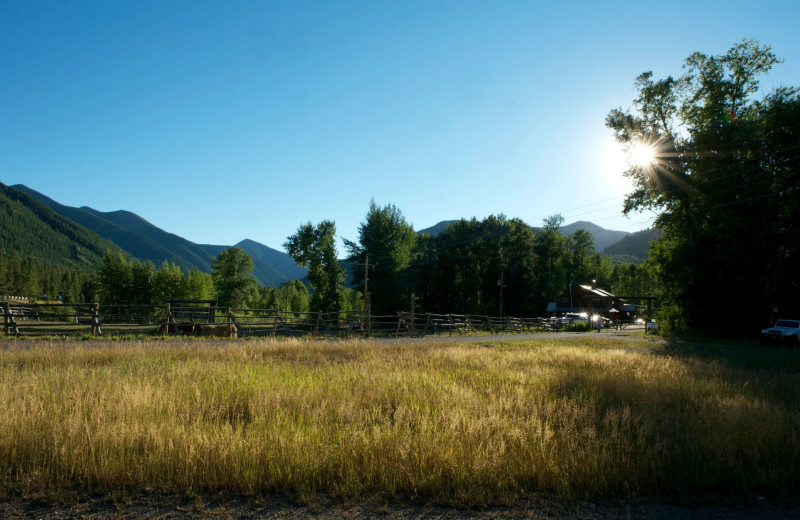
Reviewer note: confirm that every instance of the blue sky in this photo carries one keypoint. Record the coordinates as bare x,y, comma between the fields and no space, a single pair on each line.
220,121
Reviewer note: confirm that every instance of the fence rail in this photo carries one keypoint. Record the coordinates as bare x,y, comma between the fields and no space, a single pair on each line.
82,319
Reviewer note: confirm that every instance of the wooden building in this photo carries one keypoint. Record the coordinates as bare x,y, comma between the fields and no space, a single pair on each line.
591,300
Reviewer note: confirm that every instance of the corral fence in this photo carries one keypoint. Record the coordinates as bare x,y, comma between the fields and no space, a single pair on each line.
205,318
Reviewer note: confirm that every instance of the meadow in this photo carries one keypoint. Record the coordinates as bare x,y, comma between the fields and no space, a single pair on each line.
461,423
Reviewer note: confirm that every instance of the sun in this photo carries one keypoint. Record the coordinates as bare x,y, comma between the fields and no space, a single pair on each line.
642,155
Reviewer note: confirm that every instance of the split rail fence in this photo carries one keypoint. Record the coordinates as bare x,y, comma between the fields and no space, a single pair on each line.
194,317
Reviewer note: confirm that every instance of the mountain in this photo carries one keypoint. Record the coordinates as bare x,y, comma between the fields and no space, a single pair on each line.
111,226
271,264
437,228
602,237
145,241
30,228
635,245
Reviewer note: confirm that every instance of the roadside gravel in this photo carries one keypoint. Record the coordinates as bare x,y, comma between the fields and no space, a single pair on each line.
235,507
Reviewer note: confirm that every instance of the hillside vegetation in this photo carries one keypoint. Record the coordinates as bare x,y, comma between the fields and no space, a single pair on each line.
144,241
29,228
636,245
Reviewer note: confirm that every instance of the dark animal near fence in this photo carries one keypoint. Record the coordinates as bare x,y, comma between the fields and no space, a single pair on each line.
224,330
178,328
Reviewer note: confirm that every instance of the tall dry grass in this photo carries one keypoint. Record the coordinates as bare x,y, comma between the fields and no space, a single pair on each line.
468,423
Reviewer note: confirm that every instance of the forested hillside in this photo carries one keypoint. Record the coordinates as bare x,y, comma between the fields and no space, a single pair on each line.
29,278
29,228
147,242
636,245
132,234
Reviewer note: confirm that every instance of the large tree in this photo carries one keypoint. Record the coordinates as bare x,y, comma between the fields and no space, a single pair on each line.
232,272
314,247
387,241
722,171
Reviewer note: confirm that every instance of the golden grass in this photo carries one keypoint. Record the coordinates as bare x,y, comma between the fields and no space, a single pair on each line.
461,422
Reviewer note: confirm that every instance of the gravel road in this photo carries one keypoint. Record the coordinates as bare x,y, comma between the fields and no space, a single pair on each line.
233,507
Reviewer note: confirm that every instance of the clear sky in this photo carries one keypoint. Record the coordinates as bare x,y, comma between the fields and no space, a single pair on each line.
226,120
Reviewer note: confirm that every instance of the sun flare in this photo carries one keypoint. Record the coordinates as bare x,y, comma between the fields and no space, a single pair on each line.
642,155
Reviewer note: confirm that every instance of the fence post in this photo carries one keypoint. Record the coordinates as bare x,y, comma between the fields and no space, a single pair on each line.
167,315
427,322
368,313
399,321
413,301
96,320
316,326
9,321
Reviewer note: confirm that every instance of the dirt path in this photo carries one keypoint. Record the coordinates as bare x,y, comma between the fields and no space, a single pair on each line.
224,507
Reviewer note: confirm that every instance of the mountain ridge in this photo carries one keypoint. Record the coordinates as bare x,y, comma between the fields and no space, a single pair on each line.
29,227
145,241
141,239
603,238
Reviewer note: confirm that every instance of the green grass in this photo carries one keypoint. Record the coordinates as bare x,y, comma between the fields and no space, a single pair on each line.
460,423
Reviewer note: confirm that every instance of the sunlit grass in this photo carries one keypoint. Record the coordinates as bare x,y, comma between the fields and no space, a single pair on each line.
458,422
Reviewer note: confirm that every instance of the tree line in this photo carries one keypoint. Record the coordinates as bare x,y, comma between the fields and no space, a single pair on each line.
495,266
31,278
122,280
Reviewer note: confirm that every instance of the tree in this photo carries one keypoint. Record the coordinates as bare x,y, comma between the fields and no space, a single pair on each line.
114,279
387,240
552,260
725,181
142,288
314,247
232,272
200,285
31,287
169,283
478,267
580,247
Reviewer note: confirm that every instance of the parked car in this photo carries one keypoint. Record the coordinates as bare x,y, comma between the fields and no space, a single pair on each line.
786,331
574,317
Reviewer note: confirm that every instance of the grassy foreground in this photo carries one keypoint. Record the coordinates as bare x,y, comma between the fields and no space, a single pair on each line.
463,423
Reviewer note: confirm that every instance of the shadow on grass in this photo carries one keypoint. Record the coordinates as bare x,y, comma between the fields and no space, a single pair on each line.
745,354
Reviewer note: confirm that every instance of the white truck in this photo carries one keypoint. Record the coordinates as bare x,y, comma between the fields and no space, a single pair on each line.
787,331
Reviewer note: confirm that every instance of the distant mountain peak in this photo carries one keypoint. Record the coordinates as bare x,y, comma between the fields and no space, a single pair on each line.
602,237
145,241
586,226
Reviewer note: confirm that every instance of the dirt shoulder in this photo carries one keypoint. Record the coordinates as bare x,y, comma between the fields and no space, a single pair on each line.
225,507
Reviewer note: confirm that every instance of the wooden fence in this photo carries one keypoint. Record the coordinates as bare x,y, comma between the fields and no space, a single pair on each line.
94,320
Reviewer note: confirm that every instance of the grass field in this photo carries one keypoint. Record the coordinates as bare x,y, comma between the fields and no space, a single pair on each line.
461,423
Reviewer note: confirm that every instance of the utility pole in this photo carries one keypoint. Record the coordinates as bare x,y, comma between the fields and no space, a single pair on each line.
366,282
366,294
501,284
284,286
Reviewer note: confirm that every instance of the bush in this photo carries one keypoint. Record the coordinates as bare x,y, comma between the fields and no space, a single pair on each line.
577,326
